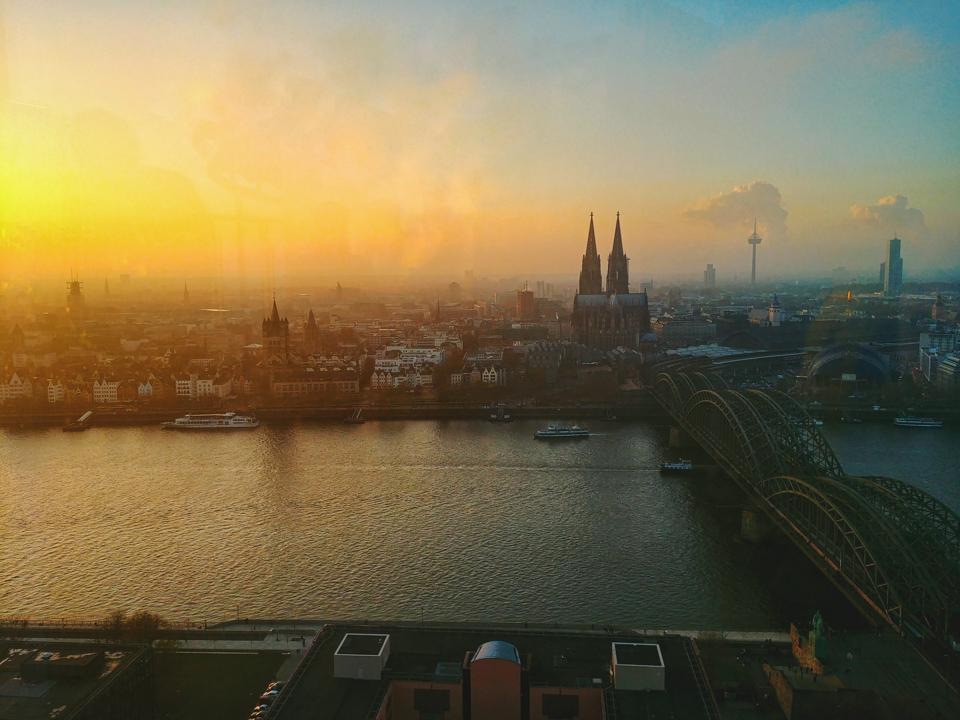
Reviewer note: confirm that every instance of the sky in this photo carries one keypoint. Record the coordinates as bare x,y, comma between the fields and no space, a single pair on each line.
337,139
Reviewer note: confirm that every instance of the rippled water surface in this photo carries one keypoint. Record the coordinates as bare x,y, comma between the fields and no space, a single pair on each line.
455,520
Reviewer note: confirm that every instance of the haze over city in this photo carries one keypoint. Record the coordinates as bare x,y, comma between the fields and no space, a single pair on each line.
241,138
451,360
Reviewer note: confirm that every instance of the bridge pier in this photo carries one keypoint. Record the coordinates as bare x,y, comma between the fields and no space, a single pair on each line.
754,525
678,438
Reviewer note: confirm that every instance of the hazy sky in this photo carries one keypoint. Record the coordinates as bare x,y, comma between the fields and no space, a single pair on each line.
334,138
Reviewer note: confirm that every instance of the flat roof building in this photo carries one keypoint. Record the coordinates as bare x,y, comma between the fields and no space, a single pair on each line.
361,656
638,666
75,681
490,673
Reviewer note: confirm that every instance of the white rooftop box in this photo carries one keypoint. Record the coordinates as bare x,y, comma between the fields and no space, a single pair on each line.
638,666
361,656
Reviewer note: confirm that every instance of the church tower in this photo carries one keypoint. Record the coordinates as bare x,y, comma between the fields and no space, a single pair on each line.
276,333
617,318
311,334
591,281
617,265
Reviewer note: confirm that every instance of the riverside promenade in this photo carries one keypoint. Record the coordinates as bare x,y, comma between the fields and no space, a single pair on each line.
639,408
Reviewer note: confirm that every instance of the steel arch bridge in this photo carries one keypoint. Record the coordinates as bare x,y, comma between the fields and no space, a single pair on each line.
881,540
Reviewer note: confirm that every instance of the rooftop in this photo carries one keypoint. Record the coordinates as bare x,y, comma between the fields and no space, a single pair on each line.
361,644
895,683
555,658
42,680
638,654
497,650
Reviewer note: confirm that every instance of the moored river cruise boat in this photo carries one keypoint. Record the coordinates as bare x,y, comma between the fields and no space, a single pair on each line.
212,421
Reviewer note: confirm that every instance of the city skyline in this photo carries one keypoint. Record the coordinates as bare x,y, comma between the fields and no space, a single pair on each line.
276,140
439,359
735,275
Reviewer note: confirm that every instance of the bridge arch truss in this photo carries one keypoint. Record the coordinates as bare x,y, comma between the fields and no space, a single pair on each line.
886,541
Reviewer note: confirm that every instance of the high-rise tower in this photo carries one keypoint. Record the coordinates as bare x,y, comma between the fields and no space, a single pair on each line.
710,277
939,310
754,240
618,274
893,269
591,281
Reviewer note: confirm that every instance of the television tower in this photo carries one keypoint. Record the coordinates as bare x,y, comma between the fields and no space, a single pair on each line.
754,240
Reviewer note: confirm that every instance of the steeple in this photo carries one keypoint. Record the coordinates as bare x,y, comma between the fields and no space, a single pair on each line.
618,265
311,333
275,315
591,282
591,239
276,332
617,238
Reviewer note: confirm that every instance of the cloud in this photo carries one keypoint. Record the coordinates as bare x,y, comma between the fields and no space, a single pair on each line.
891,213
759,200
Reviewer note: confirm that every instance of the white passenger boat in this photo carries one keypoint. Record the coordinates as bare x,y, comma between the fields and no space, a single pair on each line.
677,467
213,421
917,422
561,432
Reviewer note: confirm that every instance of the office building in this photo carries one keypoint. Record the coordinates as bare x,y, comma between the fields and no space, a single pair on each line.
893,269
710,277
526,305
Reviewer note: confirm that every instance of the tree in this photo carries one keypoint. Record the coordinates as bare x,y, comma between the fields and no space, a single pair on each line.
143,626
113,624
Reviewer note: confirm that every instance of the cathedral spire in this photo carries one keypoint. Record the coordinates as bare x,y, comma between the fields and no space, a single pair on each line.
591,282
591,239
617,238
617,265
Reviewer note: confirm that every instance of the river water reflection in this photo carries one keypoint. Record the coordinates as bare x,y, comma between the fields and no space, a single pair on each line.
454,520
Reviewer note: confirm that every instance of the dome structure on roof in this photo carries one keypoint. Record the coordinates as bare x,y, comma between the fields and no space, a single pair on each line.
497,650
856,359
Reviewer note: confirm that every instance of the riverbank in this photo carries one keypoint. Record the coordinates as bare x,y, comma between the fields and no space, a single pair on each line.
643,409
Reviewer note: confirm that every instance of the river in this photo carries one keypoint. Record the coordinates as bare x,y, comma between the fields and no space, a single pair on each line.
443,520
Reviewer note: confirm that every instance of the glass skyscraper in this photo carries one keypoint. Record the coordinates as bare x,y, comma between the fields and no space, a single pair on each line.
893,269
